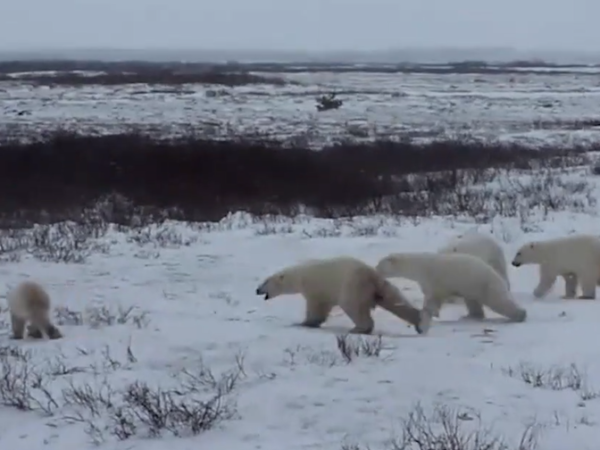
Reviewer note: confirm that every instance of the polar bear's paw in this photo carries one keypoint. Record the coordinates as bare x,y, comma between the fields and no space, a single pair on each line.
424,322
471,318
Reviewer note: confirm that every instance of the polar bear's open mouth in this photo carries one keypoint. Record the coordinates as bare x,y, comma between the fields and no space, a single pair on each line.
260,291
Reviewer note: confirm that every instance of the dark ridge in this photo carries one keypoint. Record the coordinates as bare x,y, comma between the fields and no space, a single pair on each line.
126,69
194,178
148,76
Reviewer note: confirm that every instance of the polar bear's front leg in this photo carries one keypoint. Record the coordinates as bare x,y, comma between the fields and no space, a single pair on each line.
432,300
570,285
433,305
317,311
426,316
547,280
588,285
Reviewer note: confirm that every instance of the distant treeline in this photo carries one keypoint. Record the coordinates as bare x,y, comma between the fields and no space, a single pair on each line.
136,67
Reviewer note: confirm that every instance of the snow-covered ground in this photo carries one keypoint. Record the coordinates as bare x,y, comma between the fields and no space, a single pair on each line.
525,107
193,289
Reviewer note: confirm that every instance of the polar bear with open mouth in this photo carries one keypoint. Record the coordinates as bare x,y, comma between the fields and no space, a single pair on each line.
344,281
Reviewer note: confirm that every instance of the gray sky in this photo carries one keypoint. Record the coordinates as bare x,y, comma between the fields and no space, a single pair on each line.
299,24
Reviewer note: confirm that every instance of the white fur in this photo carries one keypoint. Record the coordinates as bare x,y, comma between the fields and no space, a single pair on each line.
444,275
29,302
576,258
343,281
19,299
482,246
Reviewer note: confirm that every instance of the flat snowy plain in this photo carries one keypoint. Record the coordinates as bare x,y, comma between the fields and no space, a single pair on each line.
528,107
192,290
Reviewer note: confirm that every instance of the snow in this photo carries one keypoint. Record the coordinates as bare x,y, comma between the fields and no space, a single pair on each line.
297,392
532,107
194,295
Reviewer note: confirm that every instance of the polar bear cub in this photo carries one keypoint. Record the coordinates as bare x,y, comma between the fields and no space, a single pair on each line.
576,258
29,302
444,275
344,281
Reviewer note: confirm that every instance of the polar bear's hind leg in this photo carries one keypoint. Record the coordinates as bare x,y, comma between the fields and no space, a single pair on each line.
18,326
588,286
499,299
35,332
475,309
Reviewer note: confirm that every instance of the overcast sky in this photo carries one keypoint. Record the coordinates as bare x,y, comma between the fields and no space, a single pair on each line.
300,24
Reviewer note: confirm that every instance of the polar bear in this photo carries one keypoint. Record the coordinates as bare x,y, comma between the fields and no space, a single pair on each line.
455,274
484,247
576,258
29,302
344,281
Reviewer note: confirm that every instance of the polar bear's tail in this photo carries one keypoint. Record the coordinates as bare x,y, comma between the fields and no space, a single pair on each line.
389,297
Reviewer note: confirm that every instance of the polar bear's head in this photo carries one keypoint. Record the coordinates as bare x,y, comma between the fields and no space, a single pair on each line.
392,265
279,283
527,254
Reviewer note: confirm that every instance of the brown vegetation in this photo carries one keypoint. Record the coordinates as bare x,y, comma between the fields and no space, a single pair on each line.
193,178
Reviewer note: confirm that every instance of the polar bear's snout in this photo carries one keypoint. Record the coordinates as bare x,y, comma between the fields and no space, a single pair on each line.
262,290
516,262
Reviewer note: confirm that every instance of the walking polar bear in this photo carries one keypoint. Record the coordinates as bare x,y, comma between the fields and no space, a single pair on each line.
482,246
29,302
576,258
345,281
444,275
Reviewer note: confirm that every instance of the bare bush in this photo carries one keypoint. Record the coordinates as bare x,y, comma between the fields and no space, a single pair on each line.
98,316
165,410
311,355
556,378
22,385
197,404
12,244
446,428
65,242
351,347
65,316
161,237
